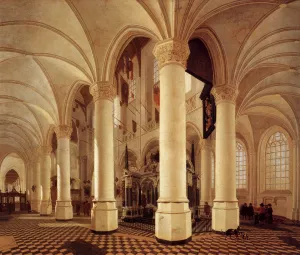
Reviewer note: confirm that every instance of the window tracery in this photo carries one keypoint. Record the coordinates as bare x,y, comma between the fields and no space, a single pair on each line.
277,162
241,167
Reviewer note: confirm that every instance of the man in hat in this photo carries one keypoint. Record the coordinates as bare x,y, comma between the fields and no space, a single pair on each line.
270,214
262,213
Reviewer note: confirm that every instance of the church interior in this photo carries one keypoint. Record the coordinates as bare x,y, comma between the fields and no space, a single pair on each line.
143,126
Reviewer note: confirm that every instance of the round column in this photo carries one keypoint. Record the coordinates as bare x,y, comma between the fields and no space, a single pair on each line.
225,212
296,181
253,179
104,217
36,182
63,208
173,216
46,205
206,172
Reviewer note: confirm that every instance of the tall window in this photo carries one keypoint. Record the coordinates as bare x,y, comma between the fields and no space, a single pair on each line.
277,163
132,90
241,166
155,72
212,170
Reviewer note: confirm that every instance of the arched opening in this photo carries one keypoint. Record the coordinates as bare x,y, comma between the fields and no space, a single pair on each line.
12,181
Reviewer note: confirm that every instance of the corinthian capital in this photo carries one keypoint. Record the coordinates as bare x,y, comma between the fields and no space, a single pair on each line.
225,93
46,150
63,131
103,90
171,52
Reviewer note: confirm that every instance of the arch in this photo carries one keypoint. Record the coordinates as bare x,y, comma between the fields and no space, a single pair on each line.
67,108
119,43
217,54
147,147
195,128
20,169
49,135
262,158
131,154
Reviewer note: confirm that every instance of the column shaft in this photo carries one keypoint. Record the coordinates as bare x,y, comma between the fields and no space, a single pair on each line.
253,179
36,182
296,181
225,213
172,134
206,178
46,206
173,216
63,209
104,212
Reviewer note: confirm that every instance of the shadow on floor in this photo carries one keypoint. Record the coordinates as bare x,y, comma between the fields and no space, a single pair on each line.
80,247
290,241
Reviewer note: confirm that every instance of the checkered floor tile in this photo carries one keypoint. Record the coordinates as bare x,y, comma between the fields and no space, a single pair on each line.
43,235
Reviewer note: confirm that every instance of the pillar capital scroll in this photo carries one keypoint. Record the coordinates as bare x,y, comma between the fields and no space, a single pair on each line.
102,90
63,131
225,93
171,52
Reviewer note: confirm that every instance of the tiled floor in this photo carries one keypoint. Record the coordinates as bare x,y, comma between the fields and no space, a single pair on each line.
43,235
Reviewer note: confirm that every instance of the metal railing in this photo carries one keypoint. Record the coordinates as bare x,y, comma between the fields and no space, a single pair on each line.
202,225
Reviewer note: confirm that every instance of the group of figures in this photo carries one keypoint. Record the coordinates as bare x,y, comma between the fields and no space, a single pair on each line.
261,215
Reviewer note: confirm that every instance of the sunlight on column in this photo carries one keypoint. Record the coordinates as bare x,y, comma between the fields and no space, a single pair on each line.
58,182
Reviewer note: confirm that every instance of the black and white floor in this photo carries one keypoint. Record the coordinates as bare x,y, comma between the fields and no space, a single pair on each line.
33,234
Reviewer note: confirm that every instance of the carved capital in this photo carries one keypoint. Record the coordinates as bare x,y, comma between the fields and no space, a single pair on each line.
63,131
103,90
46,150
35,155
225,93
171,52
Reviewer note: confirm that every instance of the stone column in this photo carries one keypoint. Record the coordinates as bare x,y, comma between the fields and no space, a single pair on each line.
173,216
104,211
296,180
29,167
206,173
63,208
253,179
46,205
225,212
36,181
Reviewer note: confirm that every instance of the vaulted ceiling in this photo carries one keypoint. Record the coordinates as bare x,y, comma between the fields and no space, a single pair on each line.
49,48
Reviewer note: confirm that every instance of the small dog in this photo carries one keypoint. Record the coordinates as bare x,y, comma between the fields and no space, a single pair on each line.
236,232
230,232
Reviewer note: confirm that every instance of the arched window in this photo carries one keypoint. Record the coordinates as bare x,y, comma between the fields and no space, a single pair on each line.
155,72
241,167
132,90
212,170
277,162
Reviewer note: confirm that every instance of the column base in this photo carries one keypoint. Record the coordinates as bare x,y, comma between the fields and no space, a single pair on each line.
104,217
46,208
173,224
35,205
63,210
296,214
225,215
